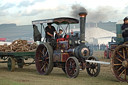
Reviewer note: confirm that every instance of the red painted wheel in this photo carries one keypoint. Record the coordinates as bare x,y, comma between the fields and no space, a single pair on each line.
120,63
109,54
72,67
44,59
105,54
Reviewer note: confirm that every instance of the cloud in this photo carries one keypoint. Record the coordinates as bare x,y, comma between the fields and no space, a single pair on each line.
38,1
27,3
6,6
2,13
125,11
19,10
45,12
32,12
42,7
105,13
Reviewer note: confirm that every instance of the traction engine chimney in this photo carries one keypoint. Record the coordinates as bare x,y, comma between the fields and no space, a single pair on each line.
82,26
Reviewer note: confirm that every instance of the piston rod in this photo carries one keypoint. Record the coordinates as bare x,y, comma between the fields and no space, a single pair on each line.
100,62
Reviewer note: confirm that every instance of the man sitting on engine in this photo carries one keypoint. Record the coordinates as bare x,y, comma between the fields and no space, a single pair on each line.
125,29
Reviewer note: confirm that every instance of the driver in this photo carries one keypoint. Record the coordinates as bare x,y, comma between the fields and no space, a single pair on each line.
125,29
49,31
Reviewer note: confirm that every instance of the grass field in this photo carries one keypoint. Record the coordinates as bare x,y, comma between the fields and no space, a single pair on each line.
29,76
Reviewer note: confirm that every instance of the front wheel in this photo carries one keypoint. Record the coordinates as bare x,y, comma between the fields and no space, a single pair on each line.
93,69
72,67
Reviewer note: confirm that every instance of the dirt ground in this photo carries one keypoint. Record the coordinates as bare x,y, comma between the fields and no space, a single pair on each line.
29,76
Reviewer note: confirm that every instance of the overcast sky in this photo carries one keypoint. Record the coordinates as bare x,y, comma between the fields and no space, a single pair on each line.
22,12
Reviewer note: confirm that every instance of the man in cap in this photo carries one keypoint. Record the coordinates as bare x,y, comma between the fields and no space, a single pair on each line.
49,31
125,29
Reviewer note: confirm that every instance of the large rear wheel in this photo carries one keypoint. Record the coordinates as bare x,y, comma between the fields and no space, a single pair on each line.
44,59
120,63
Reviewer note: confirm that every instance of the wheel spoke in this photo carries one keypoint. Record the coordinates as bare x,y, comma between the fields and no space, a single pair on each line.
89,69
45,54
120,55
121,72
127,52
119,68
93,71
125,74
40,60
44,66
47,58
124,53
118,59
42,52
96,64
117,64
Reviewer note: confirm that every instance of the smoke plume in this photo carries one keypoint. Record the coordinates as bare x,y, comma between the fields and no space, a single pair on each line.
76,9
100,14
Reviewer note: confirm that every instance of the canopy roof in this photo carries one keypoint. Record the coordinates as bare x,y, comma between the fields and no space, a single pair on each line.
60,20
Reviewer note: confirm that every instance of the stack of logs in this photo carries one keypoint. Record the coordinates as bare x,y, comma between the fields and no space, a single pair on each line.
18,46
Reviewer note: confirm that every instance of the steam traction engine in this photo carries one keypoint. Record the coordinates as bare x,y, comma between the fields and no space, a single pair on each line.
69,53
111,45
120,56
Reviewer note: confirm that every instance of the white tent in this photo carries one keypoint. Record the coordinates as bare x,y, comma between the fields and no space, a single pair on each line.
97,35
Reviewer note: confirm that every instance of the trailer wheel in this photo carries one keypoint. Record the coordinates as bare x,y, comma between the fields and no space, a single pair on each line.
72,67
20,63
120,62
44,59
11,64
93,69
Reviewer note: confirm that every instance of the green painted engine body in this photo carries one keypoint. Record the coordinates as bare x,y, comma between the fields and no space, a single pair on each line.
119,38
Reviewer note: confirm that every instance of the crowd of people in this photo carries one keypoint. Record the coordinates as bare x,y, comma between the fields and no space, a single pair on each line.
97,47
